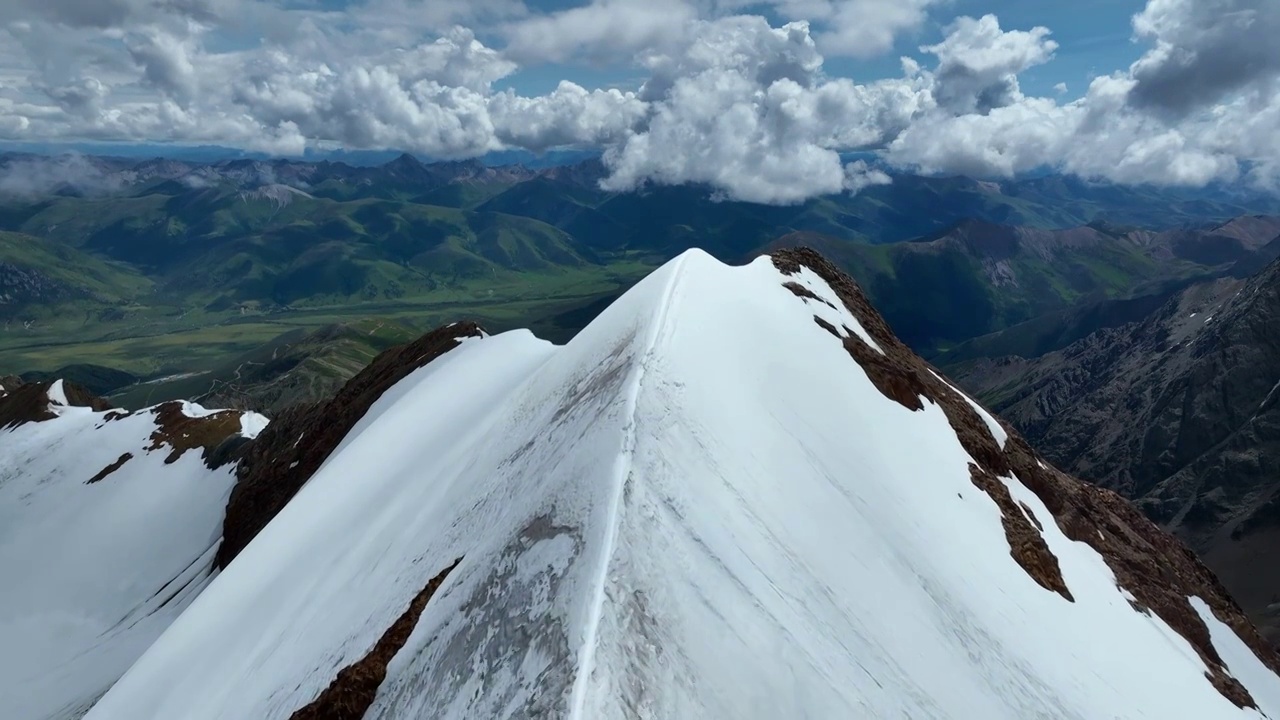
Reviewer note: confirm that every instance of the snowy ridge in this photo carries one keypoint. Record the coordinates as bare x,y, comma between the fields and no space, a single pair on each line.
829,308
621,475
102,544
702,506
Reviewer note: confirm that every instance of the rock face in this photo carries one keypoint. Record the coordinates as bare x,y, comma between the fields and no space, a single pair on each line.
22,403
21,286
1179,412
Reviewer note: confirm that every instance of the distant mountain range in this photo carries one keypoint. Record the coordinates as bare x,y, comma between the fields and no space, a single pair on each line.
102,258
219,153
909,207
977,277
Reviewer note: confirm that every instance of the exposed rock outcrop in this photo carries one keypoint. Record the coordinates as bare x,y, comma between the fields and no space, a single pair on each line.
30,402
21,286
351,693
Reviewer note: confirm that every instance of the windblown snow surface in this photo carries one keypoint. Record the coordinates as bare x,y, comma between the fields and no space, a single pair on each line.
699,507
91,574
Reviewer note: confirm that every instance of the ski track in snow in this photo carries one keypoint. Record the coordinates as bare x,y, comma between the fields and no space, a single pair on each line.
621,473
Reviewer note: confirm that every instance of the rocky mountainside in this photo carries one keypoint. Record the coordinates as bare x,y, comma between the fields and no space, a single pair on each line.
109,522
24,286
735,494
1180,412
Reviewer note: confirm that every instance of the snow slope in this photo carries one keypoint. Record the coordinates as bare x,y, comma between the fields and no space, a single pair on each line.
699,507
91,574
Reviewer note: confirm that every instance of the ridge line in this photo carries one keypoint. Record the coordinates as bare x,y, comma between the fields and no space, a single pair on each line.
621,471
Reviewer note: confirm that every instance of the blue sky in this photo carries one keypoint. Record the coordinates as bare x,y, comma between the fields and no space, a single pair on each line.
1095,37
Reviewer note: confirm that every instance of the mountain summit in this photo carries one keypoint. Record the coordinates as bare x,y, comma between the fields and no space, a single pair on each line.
734,494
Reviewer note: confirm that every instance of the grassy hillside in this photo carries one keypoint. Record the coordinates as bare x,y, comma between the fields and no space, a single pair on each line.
166,340
193,264
297,366
43,278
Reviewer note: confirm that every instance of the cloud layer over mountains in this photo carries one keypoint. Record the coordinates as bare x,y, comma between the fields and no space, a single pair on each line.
722,95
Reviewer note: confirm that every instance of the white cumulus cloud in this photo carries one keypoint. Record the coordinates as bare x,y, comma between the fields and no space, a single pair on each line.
715,94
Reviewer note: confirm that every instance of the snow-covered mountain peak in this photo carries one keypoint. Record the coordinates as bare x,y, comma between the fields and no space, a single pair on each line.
735,494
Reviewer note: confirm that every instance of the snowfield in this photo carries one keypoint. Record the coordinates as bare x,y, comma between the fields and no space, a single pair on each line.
93,573
701,507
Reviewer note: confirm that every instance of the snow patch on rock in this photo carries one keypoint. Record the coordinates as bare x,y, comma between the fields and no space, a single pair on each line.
251,424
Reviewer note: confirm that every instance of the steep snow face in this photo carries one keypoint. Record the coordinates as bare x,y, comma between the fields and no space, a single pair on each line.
699,507
92,572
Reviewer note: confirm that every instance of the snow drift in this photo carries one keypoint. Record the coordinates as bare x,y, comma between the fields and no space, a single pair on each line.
734,495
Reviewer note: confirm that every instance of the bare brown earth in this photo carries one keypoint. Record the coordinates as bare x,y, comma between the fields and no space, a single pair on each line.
1153,566
293,446
351,693
182,433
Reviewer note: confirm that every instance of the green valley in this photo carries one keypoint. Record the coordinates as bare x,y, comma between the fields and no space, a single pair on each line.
189,271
